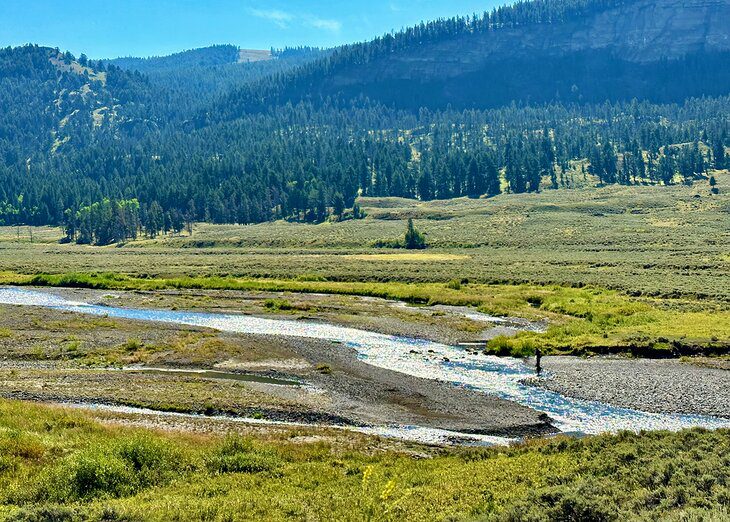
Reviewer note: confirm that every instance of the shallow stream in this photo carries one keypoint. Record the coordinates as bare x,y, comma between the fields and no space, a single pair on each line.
501,377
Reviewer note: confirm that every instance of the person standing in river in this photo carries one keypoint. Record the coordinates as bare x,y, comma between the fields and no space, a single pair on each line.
538,356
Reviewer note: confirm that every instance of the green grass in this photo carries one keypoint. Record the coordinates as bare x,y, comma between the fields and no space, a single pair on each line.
583,320
60,465
284,305
650,241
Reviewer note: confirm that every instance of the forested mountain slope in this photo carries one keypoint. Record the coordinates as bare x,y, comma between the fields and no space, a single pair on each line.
50,99
189,82
547,50
109,151
203,57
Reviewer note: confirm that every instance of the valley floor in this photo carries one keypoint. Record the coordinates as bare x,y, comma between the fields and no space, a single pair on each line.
649,279
56,355
98,464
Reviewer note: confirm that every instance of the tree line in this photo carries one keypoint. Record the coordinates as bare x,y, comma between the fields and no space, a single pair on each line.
61,150
113,221
307,164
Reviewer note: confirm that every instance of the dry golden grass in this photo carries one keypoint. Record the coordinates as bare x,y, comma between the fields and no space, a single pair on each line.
408,256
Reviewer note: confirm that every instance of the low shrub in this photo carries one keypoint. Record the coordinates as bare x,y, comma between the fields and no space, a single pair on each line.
309,278
277,305
237,455
523,347
132,345
120,469
46,513
15,443
500,345
324,369
87,475
387,243
284,305
566,503
511,347
454,284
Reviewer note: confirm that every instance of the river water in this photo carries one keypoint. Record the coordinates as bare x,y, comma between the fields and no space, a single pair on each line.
493,375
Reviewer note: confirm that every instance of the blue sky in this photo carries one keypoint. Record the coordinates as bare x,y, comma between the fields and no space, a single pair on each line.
111,28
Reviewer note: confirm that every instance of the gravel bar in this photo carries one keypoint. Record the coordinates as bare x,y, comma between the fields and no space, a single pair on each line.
651,385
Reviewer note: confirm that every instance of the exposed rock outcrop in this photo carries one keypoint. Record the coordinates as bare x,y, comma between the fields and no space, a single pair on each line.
627,45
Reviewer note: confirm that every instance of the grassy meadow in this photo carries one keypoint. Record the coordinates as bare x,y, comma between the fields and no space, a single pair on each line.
647,240
62,465
642,269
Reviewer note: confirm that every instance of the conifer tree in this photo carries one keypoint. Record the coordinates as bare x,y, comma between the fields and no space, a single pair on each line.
414,239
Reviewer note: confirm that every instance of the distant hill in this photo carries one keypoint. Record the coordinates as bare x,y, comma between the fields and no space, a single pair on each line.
203,57
189,81
51,99
546,50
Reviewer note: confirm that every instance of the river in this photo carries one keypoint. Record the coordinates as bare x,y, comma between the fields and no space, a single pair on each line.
498,376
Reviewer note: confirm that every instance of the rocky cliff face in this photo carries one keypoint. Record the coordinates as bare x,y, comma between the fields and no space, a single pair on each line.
627,46
640,32
650,30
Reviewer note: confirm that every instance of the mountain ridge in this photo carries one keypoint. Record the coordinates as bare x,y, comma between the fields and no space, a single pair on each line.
529,54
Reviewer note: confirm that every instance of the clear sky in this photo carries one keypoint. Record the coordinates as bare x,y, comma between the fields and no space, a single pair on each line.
112,28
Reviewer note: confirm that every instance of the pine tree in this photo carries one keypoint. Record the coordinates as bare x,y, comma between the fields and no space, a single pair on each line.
357,212
713,185
425,186
414,240
338,205
155,220
719,155
492,177
666,168
475,182
609,163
